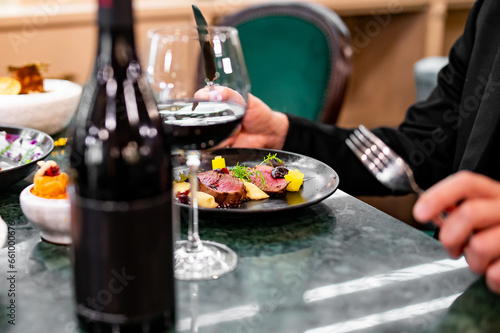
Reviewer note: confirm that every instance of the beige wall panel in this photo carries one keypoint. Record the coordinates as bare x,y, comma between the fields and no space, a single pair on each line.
69,50
382,87
455,24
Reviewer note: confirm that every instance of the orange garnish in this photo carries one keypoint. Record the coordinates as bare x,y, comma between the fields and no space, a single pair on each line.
9,86
49,182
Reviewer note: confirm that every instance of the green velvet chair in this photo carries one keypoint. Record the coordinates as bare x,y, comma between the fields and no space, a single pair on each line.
298,57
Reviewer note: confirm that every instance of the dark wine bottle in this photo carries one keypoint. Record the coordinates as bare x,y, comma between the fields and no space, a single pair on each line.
121,192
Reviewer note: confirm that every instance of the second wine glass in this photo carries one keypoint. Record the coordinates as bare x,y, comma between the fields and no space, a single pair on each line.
191,72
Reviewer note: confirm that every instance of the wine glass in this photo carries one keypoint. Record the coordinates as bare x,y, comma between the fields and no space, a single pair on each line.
189,87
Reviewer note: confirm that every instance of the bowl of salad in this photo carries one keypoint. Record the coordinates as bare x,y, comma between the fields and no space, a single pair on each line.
20,149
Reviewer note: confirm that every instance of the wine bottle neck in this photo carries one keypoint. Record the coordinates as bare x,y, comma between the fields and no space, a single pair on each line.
115,13
116,32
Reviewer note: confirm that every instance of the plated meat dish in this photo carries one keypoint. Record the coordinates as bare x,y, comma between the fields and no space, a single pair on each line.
231,186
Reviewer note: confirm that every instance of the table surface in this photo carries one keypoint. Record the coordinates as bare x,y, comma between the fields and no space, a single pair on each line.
336,266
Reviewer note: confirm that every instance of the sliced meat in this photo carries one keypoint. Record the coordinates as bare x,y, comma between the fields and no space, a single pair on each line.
227,190
273,186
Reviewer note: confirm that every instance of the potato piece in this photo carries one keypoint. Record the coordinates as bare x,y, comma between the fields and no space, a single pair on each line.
254,193
206,200
181,187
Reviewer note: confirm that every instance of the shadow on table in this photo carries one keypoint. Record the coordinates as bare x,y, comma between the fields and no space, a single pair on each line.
49,268
267,234
476,310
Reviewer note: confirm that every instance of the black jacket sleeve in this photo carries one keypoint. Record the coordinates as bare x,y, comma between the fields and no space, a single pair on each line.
426,138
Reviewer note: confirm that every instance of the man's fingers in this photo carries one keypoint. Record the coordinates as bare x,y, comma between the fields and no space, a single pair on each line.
472,215
448,192
493,276
483,249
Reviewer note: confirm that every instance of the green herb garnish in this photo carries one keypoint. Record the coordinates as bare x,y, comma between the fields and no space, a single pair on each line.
269,158
245,173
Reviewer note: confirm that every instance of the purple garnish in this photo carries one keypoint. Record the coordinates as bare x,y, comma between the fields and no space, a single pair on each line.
17,158
8,154
33,142
11,137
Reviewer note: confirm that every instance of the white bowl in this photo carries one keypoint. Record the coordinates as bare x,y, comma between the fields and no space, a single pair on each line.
52,216
48,112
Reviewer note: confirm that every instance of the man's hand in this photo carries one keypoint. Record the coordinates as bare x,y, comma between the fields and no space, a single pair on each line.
472,228
261,127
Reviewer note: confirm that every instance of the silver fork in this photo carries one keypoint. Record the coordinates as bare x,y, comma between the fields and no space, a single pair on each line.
387,166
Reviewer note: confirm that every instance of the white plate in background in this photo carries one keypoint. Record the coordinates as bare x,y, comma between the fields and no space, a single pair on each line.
49,112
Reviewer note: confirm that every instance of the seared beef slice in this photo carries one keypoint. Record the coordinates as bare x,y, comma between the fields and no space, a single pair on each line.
227,190
273,186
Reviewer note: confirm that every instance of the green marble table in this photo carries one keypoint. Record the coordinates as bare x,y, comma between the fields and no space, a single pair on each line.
337,266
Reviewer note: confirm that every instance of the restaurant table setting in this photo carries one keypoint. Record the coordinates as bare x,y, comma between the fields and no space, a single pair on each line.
338,265
95,236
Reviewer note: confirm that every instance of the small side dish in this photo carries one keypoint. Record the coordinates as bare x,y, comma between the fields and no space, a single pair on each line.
45,203
17,150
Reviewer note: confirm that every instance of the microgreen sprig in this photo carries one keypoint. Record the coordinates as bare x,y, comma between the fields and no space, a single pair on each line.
245,173
269,158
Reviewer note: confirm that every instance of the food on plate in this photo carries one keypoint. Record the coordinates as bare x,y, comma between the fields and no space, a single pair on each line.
182,193
218,163
181,187
9,86
225,187
296,178
228,191
274,185
253,192
49,182
25,79
16,150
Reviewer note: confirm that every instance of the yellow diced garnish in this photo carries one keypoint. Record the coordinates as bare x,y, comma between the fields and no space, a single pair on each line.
296,178
218,162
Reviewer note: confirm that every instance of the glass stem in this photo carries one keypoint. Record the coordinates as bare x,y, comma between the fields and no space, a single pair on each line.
194,307
193,162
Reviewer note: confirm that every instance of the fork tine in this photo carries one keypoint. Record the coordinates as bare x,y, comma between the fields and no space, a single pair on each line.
382,146
365,155
371,149
354,148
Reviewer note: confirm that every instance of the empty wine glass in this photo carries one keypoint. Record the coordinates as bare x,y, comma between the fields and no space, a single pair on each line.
187,83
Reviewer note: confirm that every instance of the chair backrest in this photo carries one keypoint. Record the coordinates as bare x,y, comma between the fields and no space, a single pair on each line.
298,57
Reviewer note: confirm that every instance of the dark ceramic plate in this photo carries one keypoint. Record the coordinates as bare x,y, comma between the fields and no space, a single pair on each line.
320,180
18,172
